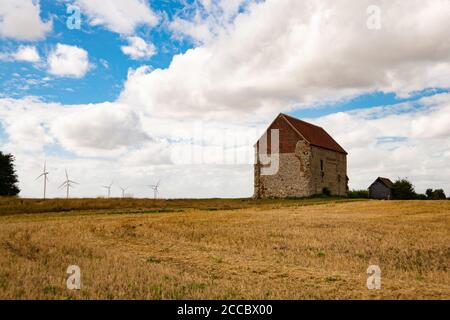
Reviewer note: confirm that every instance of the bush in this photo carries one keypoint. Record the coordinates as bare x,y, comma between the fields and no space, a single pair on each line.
437,194
403,190
358,194
421,197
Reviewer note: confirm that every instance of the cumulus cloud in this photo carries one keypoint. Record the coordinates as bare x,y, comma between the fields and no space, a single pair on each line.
138,49
213,158
119,16
27,131
104,129
203,20
68,61
396,143
277,55
21,20
285,54
27,53
28,134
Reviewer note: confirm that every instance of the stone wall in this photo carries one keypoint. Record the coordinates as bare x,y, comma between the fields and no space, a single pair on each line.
331,174
300,174
293,178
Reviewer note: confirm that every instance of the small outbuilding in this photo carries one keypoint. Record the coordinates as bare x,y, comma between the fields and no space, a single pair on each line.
381,188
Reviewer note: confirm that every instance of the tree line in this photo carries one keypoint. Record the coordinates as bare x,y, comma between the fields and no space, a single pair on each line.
403,189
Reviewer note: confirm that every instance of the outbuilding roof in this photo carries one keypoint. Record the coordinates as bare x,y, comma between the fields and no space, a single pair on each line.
387,182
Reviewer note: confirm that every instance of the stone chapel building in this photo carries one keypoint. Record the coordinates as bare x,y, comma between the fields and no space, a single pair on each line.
309,161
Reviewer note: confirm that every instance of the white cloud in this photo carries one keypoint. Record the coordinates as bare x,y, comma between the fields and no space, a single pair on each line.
27,53
283,54
20,19
68,61
137,48
97,130
105,129
203,20
111,141
396,143
119,16
104,63
276,56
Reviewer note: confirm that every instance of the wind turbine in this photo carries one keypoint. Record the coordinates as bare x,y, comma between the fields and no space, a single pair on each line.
109,188
155,189
123,191
44,174
68,184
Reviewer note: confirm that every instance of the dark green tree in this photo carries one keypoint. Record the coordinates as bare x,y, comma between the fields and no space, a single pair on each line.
403,190
437,194
8,176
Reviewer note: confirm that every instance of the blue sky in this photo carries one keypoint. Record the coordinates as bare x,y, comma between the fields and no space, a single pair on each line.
104,82
101,83
363,101
124,89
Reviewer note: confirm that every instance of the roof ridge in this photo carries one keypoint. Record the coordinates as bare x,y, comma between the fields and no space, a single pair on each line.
386,181
311,124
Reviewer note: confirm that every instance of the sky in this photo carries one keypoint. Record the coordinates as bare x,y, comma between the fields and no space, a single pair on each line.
133,92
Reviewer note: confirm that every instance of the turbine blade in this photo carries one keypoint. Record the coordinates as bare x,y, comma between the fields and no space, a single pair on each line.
67,176
39,176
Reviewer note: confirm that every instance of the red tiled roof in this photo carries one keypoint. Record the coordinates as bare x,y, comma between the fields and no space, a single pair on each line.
315,135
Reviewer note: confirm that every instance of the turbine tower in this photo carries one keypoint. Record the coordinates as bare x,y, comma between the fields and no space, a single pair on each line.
155,189
123,191
67,184
109,188
44,174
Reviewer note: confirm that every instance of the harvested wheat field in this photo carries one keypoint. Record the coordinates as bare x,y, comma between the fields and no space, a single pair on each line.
235,250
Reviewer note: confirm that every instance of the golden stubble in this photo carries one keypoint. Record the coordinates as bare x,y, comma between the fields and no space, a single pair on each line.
277,251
